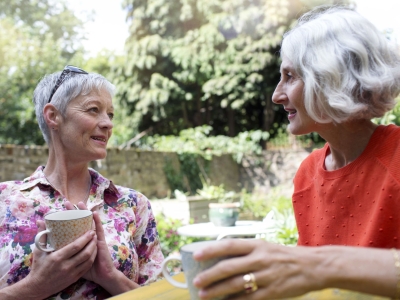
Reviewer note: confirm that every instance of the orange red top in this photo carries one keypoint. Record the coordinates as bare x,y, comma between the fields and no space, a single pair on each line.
357,205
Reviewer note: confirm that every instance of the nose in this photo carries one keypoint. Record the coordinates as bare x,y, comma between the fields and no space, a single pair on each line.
278,97
106,122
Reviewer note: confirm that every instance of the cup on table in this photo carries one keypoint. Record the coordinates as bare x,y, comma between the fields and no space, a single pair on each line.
64,227
190,266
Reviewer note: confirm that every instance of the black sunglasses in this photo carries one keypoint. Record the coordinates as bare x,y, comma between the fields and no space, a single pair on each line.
67,70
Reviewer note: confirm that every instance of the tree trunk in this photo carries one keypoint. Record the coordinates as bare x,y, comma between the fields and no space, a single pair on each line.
269,114
231,122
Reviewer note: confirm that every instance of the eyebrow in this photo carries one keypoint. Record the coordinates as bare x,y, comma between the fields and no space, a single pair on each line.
95,101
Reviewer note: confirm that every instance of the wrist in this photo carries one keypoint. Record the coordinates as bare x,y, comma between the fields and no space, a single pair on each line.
22,289
118,283
365,270
320,265
332,265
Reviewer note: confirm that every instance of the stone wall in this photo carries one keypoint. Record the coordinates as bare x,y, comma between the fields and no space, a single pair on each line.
144,170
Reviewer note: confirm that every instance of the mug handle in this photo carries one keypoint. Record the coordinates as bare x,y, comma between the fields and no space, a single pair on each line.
169,277
38,244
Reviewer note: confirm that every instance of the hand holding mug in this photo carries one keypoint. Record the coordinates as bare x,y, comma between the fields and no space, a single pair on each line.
190,266
103,271
54,271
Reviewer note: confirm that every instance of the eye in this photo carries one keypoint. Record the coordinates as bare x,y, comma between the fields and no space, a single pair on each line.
94,109
111,116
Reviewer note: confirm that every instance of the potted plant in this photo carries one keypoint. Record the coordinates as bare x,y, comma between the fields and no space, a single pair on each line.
225,210
223,214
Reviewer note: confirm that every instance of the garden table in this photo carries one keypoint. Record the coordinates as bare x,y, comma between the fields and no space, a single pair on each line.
209,230
162,290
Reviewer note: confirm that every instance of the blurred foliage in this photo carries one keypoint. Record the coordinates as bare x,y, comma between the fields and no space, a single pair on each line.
195,148
37,37
209,191
187,178
391,117
282,226
169,238
283,139
46,18
198,140
204,62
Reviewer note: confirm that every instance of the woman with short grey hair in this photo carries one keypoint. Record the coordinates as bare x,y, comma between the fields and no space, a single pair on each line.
337,73
349,69
45,93
75,111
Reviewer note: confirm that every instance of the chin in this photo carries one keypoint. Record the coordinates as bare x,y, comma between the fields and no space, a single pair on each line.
101,155
297,131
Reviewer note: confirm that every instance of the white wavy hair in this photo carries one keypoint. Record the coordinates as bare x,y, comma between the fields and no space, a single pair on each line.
350,70
73,86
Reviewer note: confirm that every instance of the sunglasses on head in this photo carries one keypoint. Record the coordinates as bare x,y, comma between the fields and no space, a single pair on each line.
64,75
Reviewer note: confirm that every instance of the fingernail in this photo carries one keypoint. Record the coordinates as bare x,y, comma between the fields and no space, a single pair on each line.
197,254
202,293
196,281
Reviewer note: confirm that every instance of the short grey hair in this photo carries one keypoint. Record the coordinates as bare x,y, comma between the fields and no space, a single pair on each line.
350,69
75,85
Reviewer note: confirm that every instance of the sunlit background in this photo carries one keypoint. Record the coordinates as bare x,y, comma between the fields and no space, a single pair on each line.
108,28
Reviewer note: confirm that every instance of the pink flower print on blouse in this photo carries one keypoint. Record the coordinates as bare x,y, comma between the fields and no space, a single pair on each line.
25,235
20,208
119,225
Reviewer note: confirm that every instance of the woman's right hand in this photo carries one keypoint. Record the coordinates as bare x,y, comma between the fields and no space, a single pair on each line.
279,271
52,272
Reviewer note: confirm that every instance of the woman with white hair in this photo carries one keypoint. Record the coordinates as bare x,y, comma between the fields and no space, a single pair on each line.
338,72
75,111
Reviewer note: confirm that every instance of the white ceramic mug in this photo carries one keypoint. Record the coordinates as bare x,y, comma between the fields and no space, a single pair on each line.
190,266
64,227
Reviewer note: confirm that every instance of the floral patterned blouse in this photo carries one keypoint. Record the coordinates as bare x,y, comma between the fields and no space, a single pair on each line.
128,223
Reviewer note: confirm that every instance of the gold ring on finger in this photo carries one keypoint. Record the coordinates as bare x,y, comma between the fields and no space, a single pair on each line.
250,285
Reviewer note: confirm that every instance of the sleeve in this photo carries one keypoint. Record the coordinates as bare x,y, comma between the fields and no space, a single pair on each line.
147,242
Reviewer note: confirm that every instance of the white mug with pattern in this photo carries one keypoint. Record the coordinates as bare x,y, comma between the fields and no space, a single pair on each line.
64,227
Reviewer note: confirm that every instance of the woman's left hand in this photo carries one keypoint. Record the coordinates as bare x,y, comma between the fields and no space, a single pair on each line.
279,271
103,269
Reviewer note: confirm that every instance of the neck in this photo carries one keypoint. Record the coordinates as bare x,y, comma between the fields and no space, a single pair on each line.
346,141
72,181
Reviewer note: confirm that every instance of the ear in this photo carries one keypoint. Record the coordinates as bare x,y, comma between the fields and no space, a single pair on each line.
51,116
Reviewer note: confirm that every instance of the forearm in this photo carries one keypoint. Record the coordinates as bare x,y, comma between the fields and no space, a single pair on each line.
366,270
119,284
21,290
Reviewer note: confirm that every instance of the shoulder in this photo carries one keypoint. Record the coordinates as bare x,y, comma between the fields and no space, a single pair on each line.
132,195
387,142
389,130
9,186
387,149
314,160
309,167
391,135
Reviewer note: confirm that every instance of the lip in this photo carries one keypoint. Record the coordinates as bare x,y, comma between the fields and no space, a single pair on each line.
291,113
99,139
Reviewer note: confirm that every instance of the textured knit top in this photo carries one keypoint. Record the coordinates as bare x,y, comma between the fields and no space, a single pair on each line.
356,205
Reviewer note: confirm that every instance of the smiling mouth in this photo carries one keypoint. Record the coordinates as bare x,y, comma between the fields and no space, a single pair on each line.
99,139
292,113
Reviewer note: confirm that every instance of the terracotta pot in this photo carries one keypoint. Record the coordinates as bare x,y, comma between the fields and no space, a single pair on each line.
223,214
